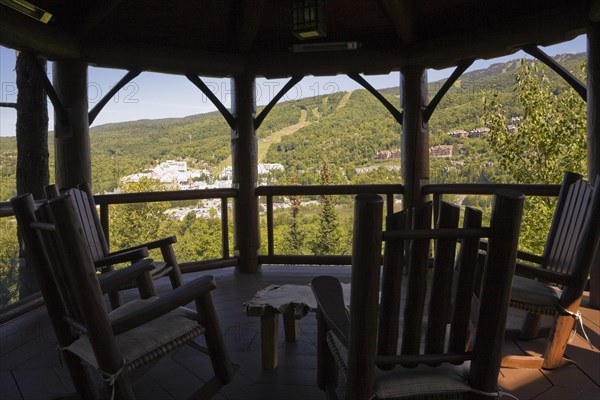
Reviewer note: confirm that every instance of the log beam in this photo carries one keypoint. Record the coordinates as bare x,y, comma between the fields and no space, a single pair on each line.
249,23
72,142
21,32
401,15
415,135
244,150
593,134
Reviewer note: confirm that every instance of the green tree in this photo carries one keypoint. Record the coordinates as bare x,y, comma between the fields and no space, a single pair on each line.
9,262
540,145
136,223
328,237
200,241
295,235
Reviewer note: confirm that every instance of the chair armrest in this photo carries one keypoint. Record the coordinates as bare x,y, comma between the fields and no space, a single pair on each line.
543,274
167,302
533,258
121,257
330,301
521,255
113,280
160,243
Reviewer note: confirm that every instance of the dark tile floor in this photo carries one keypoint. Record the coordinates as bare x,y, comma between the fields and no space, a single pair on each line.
30,367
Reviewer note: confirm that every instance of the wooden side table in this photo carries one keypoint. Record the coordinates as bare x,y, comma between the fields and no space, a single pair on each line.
293,302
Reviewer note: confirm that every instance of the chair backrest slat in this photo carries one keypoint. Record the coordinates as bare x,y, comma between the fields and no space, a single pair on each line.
391,287
569,228
63,279
441,284
75,258
587,252
416,291
87,212
465,285
93,217
24,209
440,311
86,207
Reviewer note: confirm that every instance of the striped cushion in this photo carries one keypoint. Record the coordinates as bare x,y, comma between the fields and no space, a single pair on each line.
534,296
446,381
149,341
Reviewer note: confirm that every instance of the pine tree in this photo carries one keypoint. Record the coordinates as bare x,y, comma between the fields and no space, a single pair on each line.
295,236
327,240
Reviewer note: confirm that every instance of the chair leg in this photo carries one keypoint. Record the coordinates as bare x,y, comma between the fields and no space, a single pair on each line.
531,326
215,343
79,376
116,299
122,388
554,356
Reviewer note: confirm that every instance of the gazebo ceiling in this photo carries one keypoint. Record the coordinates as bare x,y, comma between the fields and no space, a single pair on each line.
225,37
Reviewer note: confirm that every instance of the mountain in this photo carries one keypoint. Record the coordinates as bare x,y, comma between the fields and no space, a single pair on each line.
344,129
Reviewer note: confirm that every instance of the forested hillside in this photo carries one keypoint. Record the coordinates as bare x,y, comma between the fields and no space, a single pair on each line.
536,131
344,129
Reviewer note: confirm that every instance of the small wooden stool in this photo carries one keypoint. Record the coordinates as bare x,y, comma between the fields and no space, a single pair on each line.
293,302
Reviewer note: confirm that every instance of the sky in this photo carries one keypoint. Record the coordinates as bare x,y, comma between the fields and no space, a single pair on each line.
154,95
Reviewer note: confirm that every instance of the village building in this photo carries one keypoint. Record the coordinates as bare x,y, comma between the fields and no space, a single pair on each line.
441,151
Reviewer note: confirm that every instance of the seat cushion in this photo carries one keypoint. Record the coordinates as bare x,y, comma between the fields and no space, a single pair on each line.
534,296
149,341
449,381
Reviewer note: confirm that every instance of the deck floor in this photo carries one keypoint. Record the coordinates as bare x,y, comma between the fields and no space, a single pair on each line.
30,367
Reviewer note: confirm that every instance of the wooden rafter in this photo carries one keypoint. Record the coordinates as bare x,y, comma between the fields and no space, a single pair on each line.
97,12
400,13
249,21
230,118
290,84
59,109
575,83
460,69
98,107
397,114
595,11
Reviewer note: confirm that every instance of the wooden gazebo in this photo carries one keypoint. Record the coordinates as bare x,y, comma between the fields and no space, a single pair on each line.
244,40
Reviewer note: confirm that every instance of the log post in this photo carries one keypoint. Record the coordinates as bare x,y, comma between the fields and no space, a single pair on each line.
593,133
364,296
72,141
415,135
244,150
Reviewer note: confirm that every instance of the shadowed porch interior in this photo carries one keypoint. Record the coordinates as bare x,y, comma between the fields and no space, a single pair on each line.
30,367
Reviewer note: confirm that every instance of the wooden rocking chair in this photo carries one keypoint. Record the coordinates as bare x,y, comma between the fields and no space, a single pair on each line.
555,285
125,342
99,249
381,358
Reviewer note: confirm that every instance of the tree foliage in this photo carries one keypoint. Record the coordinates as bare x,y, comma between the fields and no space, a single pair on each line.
137,223
295,235
549,139
327,238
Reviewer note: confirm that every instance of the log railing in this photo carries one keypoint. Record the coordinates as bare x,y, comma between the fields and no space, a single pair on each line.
317,190
439,190
389,191
105,200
